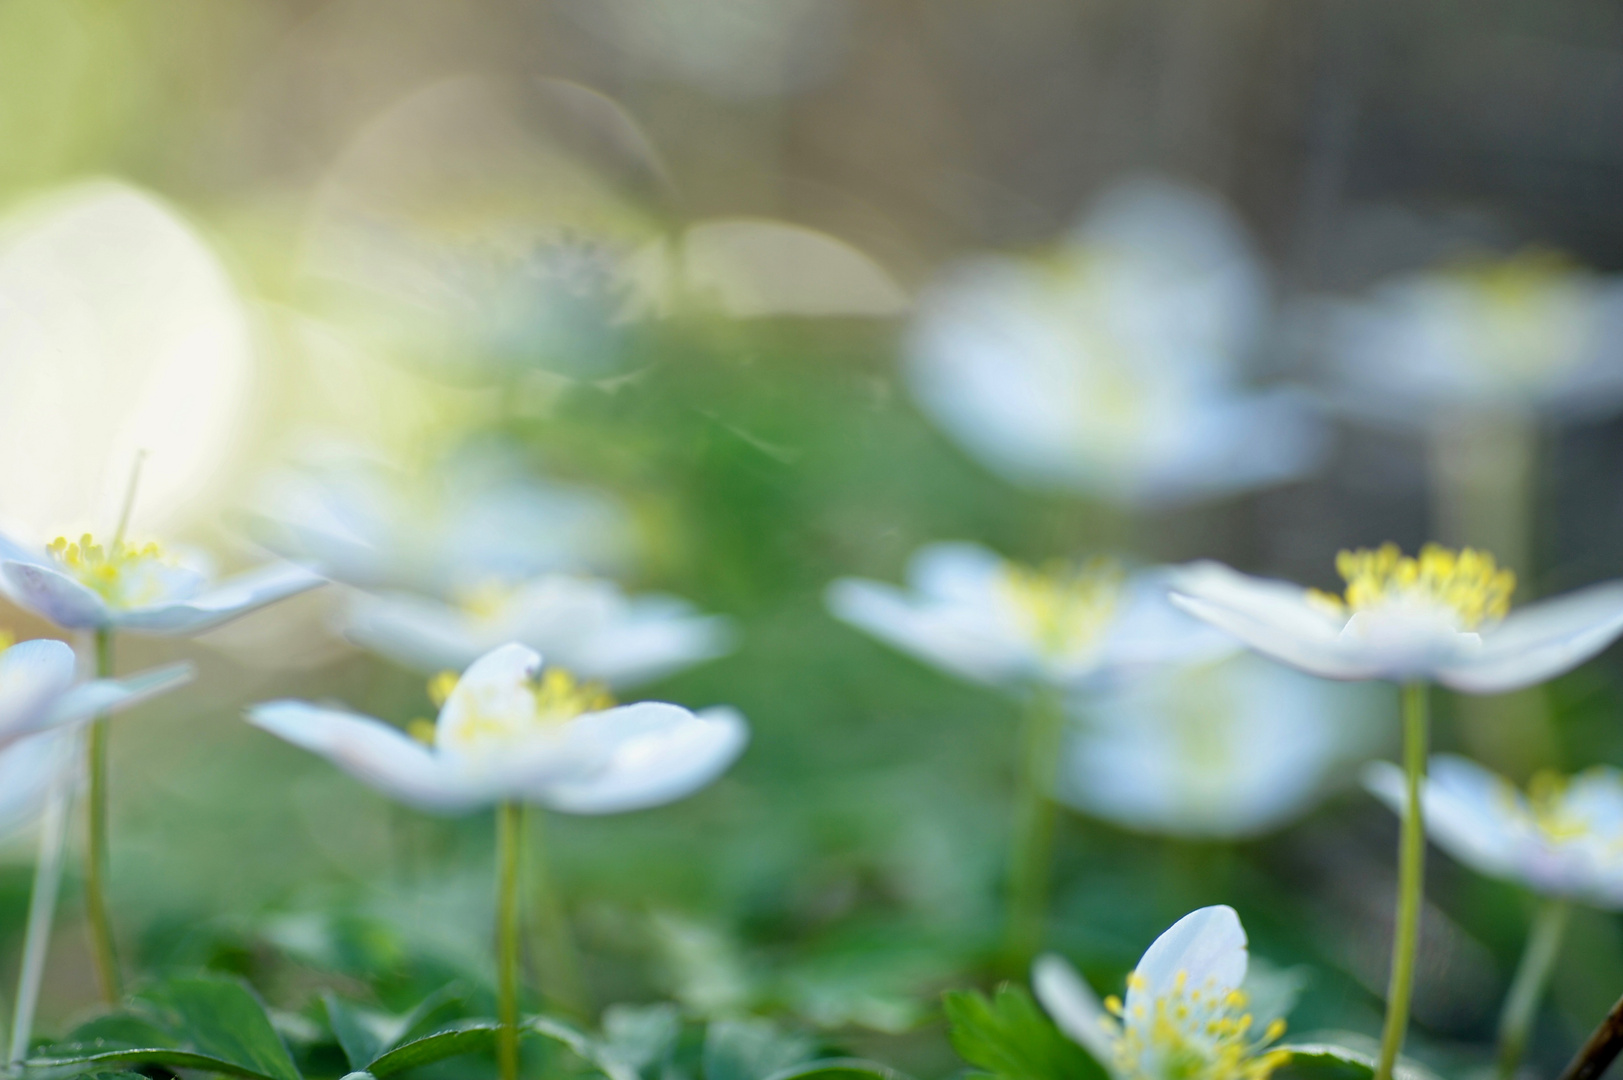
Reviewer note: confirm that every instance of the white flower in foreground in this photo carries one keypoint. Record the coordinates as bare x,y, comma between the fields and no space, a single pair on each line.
457,527
122,586
1231,747
1115,367
587,625
41,707
978,616
1442,617
1185,1017
1563,837
1531,332
503,736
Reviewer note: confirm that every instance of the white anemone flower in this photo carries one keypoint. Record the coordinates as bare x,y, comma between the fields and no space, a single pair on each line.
140,588
1529,333
1116,367
1185,1017
1443,617
1562,838
504,736
585,624
980,617
41,706
457,526
1227,748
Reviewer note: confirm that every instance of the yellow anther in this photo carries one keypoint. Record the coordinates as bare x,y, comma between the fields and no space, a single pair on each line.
1236,999
1469,583
1065,606
1179,981
1546,808
440,687
1274,1031
1113,1005
7,640
422,730
118,574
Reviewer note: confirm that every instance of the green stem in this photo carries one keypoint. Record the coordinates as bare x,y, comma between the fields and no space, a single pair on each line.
552,947
1527,990
1411,881
1032,843
96,913
509,827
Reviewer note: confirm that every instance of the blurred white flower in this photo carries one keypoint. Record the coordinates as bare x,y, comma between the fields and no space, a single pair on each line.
1231,747
472,520
1527,333
1116,366
124,586
1443,617
40,708
1563,837
120,333
587,625
978,616
503,736
1185,1017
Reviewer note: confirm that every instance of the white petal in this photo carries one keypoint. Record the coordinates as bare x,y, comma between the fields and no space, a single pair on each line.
1074,1008
12,551
28,770
660,753
416,631
1464,807
1259,600
955,572
1329,660
102,697
33,676
1207,946
1541,641
53,595
497,685
953,639
230,599
373,752
639,646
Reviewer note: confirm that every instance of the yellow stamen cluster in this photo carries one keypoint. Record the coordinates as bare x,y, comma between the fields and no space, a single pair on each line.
1194,1033
1547,806
558,697
1468,582
1065,606
106,570
485,601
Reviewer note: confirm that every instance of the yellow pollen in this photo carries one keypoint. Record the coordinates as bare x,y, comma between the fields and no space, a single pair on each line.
1065,606
440,687
485,601
1469,583
1190,1035
1547,808
421,729
1113,1005
557,697
7,640
112,573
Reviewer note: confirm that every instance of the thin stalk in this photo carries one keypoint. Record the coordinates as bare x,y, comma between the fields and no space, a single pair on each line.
509,827
96,913
1599,1050
552,947
1411,881
1031,848
53,834
1532,977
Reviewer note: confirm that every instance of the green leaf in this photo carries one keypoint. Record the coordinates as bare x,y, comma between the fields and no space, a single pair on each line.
839,1069
1333,1061
640,1036
1010,1038
470,1037
207,1023
752,1050
362,1034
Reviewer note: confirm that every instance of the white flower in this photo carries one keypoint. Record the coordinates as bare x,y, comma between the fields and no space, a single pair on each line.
587,625
1115,367
1230,747
40,707
1563,837
502,736
978,616
1442,617
122,586
1527,333
472,519
1185,1017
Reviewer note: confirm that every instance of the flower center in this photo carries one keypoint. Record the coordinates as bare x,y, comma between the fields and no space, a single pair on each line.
1467,584
1194,1033
1528,313
1548,808
501,715
123,574
486,602
1064,606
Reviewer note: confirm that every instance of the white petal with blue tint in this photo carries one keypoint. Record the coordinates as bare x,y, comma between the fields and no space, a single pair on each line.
29,769
53,595
655,759
220,603
34,675
1205,948
1075,1008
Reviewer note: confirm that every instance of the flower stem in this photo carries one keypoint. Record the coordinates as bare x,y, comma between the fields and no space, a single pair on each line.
509,827
41,909
551,946
1032,843
96,912
1527,990
1411,880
